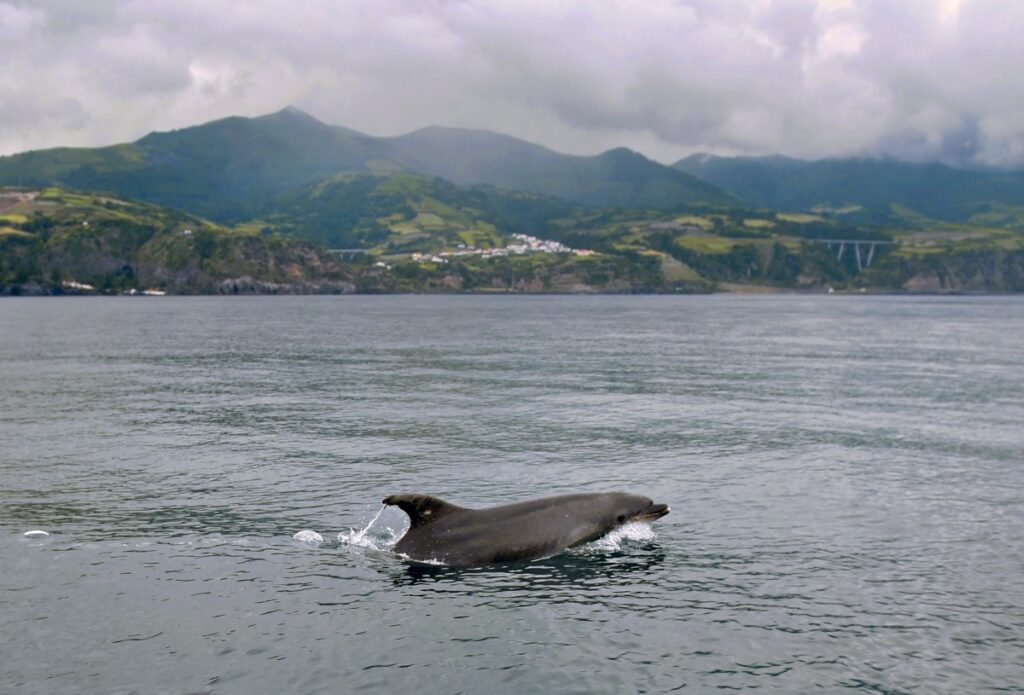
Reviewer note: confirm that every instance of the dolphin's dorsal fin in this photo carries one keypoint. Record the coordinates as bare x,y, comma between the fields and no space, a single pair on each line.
422,509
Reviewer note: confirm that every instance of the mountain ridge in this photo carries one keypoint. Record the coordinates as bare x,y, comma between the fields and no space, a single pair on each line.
932,189
225,169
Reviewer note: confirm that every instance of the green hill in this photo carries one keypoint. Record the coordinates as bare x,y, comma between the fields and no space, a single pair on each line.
54,240
227,169
403,213
427,235
617,178
698,247
293,186
221,170
733,248
867,190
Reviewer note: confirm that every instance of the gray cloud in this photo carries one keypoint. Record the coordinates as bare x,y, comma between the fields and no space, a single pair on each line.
914,79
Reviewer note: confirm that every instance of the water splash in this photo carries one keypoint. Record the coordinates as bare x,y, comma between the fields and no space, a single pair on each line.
635,531
362,539
308,536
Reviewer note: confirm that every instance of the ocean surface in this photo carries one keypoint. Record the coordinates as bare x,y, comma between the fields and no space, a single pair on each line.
846,477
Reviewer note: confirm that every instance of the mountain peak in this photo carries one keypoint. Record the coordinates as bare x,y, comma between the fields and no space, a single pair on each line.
293,114
621,154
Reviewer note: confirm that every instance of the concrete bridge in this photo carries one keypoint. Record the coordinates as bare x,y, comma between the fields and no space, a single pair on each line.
870,244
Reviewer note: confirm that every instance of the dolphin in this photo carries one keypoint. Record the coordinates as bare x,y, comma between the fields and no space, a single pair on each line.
460,537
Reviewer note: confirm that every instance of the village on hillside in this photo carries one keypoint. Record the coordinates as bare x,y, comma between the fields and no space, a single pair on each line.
526,244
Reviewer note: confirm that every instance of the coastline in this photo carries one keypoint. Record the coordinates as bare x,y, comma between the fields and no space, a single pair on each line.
17,292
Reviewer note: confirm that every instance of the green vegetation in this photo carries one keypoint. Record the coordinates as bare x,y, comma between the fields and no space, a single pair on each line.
695,220
532,273
408,213
798,217
867,191
227,169
284,190
64,239
53,237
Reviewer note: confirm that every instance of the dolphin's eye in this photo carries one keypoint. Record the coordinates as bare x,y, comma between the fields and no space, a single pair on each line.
621,518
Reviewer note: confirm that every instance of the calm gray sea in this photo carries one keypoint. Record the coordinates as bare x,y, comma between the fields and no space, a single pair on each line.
846,476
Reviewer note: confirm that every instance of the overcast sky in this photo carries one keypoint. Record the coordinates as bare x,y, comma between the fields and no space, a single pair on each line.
913,79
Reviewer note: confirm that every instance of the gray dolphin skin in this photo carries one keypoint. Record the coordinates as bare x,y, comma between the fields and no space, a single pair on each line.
459,537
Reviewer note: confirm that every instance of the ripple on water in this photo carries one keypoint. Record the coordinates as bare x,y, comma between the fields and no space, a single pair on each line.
844,476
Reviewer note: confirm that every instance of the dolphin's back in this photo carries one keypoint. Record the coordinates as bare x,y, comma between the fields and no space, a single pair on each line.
457,536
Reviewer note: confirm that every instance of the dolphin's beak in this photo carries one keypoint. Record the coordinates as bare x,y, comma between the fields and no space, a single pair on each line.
654,511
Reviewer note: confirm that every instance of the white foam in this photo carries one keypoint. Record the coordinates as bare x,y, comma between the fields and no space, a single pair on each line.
430,561
308,536
636,531
36,533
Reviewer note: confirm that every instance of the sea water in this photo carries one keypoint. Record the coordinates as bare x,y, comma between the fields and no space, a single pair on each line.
846,477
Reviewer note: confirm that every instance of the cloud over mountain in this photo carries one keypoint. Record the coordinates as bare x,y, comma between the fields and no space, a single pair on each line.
913,79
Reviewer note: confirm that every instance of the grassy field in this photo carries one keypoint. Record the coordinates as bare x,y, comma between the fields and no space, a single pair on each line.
673,270
695,220
798,217
707,244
